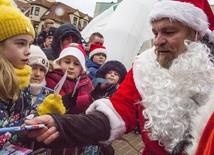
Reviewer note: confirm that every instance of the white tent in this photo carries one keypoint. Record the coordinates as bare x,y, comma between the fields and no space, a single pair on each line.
125,29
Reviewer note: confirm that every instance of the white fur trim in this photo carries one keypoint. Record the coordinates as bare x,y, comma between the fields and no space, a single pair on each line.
171,96
96,51
199,122
116,122
175,11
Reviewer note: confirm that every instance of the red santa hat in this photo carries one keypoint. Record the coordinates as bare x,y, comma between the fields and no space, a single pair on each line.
186,13
95,49
205,6
75,50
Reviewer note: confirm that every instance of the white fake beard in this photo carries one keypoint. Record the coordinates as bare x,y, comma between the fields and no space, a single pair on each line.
171,96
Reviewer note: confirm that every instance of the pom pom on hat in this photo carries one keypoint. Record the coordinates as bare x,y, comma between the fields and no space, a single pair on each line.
38,57
76,50
112,65
13,22
95,49
186,13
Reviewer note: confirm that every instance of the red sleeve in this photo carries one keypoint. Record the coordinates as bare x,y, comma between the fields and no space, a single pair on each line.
129,96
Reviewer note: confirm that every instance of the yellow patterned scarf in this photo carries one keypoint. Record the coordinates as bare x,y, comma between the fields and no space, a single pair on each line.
23,76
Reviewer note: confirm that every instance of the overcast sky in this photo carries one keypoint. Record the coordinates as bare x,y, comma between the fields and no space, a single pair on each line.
85,6
88,6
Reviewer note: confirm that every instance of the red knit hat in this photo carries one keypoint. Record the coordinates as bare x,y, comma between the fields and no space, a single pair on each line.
95,49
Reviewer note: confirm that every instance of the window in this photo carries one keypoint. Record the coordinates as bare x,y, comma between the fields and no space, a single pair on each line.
37,11
85,24
31,11
75,19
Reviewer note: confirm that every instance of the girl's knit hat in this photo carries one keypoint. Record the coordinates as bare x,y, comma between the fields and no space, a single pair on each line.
112,65
38,57
13,22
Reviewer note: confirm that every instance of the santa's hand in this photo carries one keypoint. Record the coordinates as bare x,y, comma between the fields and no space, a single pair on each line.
47,134
51,105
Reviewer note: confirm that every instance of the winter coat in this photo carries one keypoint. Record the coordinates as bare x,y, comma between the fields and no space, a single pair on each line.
92,68
84,88
14,114
53,52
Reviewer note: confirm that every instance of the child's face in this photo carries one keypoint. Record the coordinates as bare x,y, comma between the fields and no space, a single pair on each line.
112,77
99,58
73,65
38,74
48,41
16,50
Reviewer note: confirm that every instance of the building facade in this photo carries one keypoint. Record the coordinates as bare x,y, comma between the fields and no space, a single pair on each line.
40,10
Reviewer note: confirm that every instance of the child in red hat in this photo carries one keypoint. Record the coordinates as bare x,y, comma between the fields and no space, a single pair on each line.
97,57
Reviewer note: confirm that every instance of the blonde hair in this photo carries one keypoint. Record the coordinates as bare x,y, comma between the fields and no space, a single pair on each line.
9,84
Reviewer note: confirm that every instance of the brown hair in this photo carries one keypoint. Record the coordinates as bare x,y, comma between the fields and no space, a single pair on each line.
91,38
